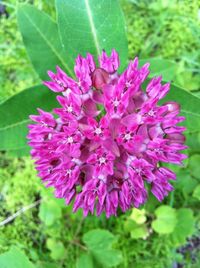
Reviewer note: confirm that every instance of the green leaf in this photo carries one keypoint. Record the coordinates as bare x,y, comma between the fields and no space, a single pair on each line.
13,137
91,26
185,183
135,224
20,152
14,258
99,242
194,165
100,239
57,249
41,39
85,260
163,67
184,227
50,212
14,114
130,225
193,141
139,232
196,192
108,258
188,80
166,220
138,215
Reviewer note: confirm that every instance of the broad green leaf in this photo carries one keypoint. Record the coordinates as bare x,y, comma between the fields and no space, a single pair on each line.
196,192
99,242
91,26
163,67
14,258
13,137
20,152
14,114
194,165
184,227
41,39
85,260
166,220
50,212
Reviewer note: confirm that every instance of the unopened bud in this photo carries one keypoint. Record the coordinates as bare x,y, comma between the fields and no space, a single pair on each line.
99,78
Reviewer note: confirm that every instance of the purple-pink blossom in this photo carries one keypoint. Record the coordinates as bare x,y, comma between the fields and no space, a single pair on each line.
108,138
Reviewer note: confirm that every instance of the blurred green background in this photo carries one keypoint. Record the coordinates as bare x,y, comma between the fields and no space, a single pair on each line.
157,235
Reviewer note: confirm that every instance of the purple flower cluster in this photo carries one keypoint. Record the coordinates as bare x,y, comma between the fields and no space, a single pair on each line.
108,137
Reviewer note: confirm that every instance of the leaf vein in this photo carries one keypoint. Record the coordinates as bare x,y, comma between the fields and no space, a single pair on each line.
91,21
49,44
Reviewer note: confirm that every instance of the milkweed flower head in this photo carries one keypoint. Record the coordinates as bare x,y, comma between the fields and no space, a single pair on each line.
108,137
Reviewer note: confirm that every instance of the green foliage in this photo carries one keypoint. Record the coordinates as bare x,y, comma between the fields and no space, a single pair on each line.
136,224
19,187
14,117
50,212
166,220
57,249
138,215
42,41
170,30
91,26
194,165
85,260
14,258
99,243
184,226
196,192
139,232
162,67
45,51
18,183
49,235
16,72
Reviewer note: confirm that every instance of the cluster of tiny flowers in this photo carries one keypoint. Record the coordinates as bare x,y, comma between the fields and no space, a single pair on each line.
108,137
